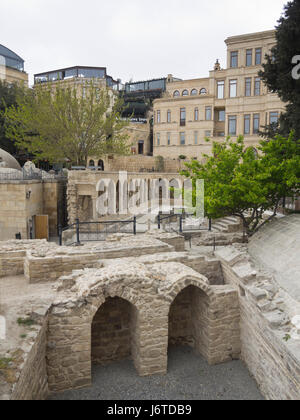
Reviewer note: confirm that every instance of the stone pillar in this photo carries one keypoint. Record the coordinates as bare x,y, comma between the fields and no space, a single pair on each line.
68,350
150,348
223,328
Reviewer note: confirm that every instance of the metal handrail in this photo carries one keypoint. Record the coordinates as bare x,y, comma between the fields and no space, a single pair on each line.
77,225
181,217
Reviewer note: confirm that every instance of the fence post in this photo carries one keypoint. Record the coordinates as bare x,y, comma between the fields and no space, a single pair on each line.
158,221
210,224
134,225
181,224
77,232
60,234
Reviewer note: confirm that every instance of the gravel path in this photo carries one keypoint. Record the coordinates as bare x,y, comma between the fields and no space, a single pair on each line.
189,378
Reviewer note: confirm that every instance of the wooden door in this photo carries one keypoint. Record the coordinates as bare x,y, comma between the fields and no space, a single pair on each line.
41,227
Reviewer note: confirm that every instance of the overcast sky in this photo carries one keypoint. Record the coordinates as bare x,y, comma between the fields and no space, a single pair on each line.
134,39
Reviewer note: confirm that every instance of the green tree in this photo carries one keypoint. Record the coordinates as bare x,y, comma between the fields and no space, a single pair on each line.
67,124
8,98
241,183
278,70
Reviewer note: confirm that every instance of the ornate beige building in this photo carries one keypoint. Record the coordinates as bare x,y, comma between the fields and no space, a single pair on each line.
12,67
230,102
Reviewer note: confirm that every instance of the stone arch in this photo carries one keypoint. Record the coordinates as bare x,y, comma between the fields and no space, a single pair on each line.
113,331
91,163
188,319
204,317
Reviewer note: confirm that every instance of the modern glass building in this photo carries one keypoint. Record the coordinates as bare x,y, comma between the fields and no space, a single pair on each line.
11,59
77,72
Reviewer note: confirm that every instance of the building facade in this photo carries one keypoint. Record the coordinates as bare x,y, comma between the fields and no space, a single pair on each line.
12,67
230,102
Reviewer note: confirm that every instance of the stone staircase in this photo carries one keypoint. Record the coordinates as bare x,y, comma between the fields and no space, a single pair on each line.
228,224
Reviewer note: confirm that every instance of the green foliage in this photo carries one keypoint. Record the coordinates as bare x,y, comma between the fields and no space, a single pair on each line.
27,322
4,363
8,98
237,180
287,338
277,71
64,124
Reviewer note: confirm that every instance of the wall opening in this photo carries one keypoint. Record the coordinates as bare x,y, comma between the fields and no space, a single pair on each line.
113,332
85,208
187,318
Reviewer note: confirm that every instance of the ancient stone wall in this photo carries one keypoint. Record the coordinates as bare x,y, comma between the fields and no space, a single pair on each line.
49,265
138,163
13,254
82,194
33,381
151,291
16,210
21,200
273,361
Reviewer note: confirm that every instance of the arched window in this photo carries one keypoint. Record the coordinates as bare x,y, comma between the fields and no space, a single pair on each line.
194,92
185,93
176,94
203,91
100,165
91,163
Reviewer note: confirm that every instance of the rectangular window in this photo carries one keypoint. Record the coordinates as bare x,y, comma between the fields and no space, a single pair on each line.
247,123
248,86
221,116
257,86
256,123
232,125
233,88
169,138
196,114
182,116
169,116
158,117
221,89
196,137
274,117
207,133
249,58
208,113
258,56
158,139
182,139
234,59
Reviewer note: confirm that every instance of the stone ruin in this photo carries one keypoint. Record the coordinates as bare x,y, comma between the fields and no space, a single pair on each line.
66,308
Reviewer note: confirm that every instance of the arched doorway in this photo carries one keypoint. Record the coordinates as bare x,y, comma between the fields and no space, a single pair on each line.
188,320
113,332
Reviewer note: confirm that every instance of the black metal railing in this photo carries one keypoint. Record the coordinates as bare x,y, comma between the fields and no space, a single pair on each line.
178,223
28,175
80,232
